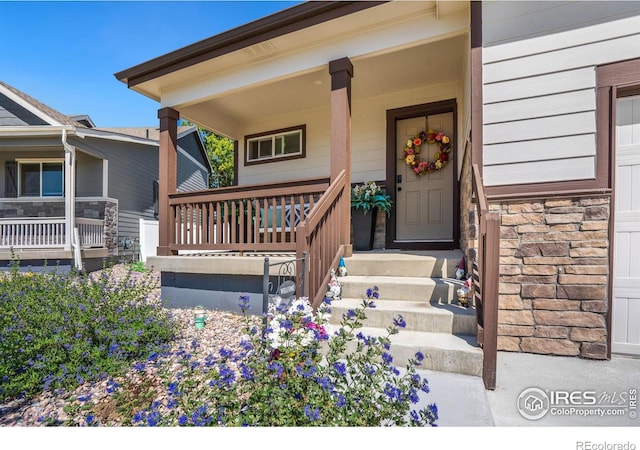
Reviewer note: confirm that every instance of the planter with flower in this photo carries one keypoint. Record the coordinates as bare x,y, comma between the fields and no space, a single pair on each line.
366,200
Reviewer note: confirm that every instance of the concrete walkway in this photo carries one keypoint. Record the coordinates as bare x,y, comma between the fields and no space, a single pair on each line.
463,401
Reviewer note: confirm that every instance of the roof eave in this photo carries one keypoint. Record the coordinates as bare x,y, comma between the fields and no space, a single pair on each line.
289,20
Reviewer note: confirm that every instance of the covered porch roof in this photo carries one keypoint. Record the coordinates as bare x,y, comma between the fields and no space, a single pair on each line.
278,64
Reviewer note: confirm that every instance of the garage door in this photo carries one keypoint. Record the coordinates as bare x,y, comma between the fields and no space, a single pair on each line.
626,264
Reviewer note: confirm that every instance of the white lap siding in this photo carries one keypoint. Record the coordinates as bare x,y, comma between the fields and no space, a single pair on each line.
539,100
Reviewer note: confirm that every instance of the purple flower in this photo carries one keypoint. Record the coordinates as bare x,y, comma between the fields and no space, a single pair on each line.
243,303
245,372
312,414
419,356
340,368
173,388
153,419
399,322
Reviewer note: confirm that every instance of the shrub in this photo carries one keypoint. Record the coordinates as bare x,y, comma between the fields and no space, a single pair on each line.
292,373
58,331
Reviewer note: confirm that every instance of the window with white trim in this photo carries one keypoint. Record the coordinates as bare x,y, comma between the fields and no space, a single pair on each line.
282,144
41,178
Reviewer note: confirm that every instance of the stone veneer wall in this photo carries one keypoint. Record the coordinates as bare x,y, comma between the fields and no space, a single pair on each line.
468,215
554,274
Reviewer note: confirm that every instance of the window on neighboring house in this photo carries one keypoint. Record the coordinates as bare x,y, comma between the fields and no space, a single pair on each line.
41,178
282,144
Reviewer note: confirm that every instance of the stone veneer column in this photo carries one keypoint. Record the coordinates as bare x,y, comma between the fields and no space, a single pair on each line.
167,176
554,273
111,227
468,213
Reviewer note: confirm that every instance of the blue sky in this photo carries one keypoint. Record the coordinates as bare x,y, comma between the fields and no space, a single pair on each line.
64,54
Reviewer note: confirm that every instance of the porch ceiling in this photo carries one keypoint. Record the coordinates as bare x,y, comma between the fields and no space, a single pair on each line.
424,65
239,77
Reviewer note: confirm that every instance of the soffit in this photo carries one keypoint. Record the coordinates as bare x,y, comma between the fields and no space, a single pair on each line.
336,30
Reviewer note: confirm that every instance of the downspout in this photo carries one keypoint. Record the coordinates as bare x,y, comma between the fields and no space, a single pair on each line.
70,199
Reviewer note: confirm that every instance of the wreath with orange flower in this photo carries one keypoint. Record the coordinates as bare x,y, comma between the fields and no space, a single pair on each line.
441,156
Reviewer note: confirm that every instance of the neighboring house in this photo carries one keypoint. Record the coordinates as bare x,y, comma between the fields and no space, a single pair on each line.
539,99
111,173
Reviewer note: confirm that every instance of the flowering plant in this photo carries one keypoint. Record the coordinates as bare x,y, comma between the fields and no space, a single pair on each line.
293,326
369,195
292,373
441,156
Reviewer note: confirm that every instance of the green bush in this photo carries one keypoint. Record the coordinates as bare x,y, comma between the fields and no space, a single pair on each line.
58,331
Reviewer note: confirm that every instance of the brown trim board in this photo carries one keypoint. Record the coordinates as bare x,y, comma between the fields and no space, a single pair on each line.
614,80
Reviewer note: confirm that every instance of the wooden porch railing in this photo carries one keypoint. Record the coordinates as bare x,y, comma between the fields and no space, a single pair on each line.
486,277
319,237
246,218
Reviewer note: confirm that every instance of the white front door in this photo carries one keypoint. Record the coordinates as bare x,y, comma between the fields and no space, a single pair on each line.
626,263
424,204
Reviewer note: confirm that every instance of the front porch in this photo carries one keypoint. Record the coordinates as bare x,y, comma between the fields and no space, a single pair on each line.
35,231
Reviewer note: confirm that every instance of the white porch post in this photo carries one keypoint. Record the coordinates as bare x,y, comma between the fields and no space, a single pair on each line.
69,191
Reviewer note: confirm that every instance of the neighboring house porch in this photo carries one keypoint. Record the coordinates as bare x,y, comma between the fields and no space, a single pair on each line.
72,194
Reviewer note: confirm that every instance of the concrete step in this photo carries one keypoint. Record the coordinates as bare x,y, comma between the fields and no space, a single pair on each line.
419,316
442,351
432,264
416,289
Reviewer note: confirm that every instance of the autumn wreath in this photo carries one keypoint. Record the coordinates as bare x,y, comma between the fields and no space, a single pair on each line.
441,156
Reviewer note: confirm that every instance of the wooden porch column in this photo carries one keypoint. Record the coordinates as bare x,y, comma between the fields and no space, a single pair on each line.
167,177
341,71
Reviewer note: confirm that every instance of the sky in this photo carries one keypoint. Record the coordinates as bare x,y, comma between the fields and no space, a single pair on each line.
65,53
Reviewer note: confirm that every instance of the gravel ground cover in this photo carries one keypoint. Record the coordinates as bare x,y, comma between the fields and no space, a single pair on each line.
222,329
